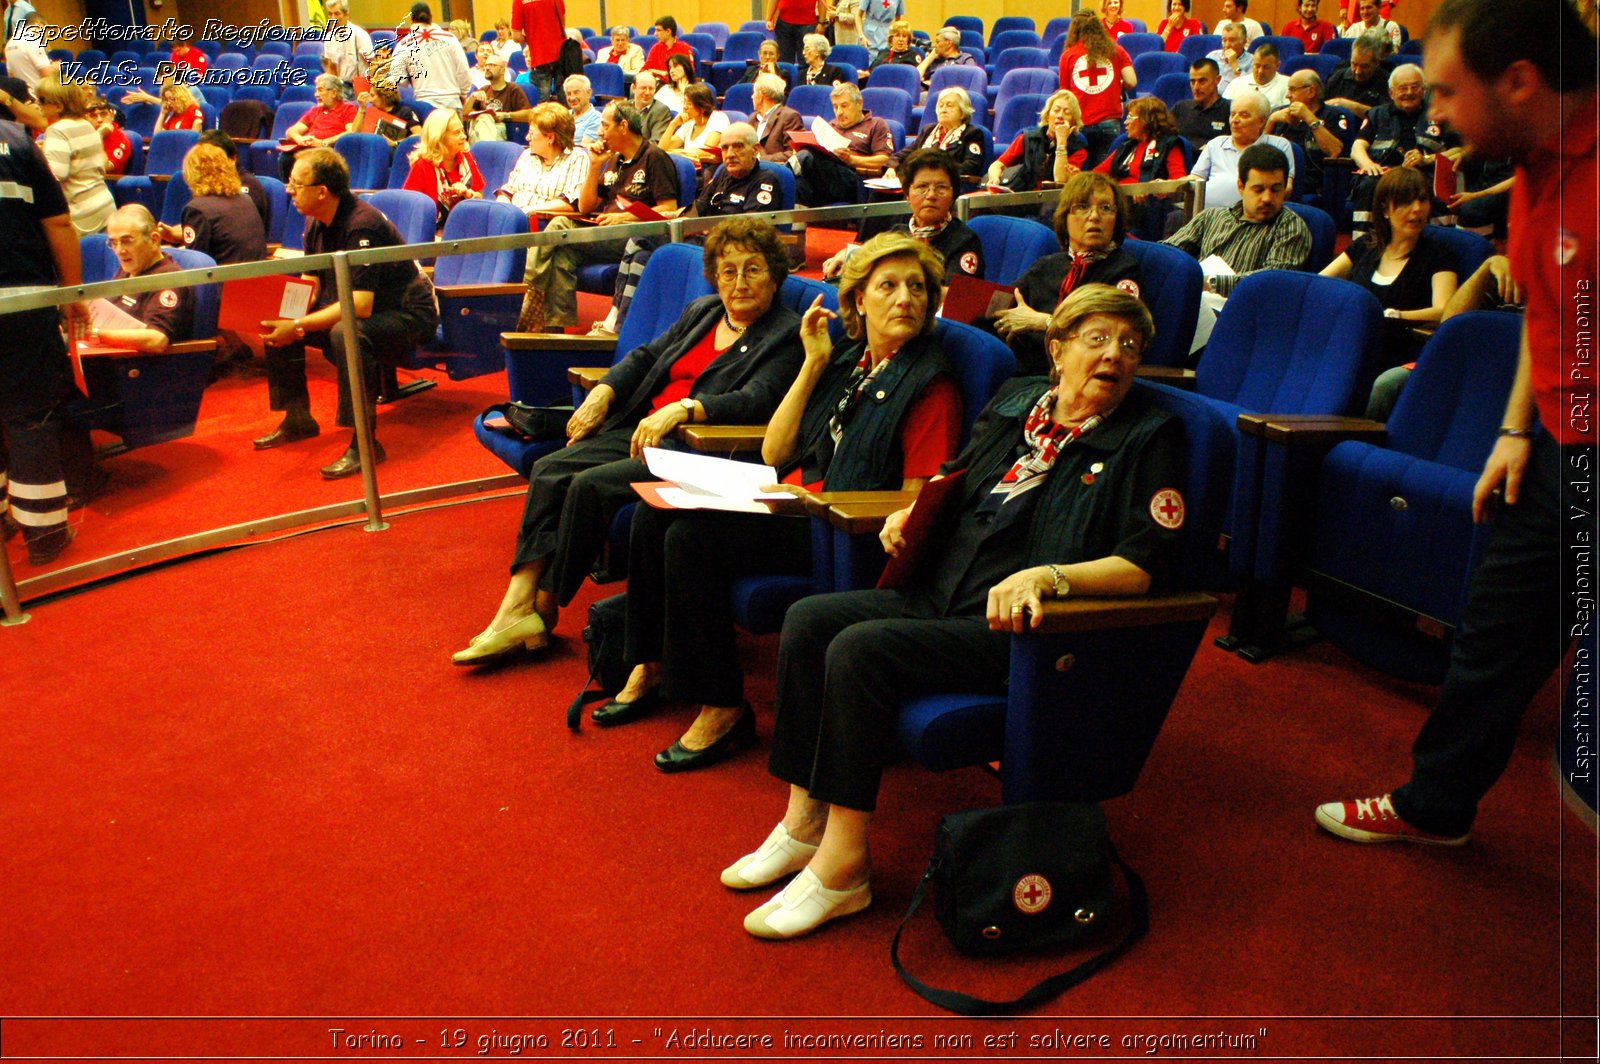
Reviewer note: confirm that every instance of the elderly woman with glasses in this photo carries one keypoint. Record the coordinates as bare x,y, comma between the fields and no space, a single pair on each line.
1069,491
882,412
728,359
932,182
1090,222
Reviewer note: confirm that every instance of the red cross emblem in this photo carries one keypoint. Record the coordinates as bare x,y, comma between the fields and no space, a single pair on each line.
1031,894
1090,77
1166,508
1566,246
168,298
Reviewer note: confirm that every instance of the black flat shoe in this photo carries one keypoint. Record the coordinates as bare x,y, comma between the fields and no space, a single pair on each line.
613,712
288,432
679,758
349,463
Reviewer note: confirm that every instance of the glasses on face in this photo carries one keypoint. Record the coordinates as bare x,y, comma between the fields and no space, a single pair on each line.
1100,342
1093,210
292,186
939,189
753,273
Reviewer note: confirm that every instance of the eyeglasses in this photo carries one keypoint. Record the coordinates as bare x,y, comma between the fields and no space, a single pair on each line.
940,189
292,187
1098,342
1097,210
752,273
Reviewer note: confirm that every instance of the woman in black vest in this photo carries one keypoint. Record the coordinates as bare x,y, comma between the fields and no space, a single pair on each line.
1053,150
1151,151
1070,488
881,413
726,360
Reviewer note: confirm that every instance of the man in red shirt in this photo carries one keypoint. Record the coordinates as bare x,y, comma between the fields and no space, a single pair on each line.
185,54
1516,80
667,44
1311,31
540,26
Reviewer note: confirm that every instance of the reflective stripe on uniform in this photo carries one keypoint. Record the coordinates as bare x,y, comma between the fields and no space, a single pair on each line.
54,490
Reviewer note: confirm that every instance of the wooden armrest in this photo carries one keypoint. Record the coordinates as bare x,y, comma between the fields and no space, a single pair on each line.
463,291
1310,430
191,347
1090,613
586,377
1176,376
859,511
723,439
159,178
557,341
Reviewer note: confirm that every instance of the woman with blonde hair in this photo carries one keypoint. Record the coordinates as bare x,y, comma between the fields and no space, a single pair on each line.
73,149
1053,150
179,108
220,219
441,166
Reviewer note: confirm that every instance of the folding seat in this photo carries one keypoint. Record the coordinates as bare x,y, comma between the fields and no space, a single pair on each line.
400,164
480,294
1017,114
1013,59
973,79
855,56
1152,65
717,31
163,159
889,104
1137,44
966,24
1170,89
495,158
1323,232
1011,24
1199,46
277,204
896,76
741,98
1172,285
413,213
812,101
1288,47
1011,245
743,46
367,155
1031,80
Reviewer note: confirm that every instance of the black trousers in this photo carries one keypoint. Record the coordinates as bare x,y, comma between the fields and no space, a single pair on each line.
846,662
35,382
573,494
381,338
681,569
1518,621
823,180
790,36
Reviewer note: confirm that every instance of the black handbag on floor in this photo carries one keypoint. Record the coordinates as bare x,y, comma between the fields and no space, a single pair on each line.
1023,878
603,634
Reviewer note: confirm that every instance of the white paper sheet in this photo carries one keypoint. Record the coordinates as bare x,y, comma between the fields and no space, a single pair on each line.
827,136
703,475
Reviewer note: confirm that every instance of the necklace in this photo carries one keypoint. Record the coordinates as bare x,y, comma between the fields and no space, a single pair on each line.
735,329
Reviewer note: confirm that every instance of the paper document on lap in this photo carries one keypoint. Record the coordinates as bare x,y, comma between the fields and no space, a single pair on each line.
701,482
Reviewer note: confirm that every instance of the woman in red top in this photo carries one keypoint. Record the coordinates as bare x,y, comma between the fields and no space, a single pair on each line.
185,54
1152,151
442,168
1178,25
1096,69
179,109
1111,18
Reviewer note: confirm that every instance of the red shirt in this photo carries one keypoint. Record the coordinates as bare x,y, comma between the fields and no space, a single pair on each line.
1136,160
1320,33
543,25
1013,154
797,11
189,119
1554,249
930,435
1097,85
1174,37
194,59
118,149
656,60
322,123
1117,28
682,375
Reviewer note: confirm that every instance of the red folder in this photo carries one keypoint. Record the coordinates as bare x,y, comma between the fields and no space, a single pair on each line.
936,503
643,212
248,302
969,299
1444,178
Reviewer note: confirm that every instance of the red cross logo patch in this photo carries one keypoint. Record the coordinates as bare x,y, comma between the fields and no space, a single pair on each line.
188,234
168,298
764,197
1032,894
969,263
1090,77
975,148
1130,286
1166,508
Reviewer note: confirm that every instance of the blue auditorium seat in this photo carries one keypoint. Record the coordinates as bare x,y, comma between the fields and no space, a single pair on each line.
471,315
1173,282
1011,245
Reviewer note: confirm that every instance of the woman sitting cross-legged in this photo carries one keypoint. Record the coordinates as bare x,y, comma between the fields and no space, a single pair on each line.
728,359
881,413
1069,490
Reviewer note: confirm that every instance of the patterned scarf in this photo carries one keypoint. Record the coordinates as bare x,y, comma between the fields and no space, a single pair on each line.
942,140
1045,440
1081,261
926,233
855,388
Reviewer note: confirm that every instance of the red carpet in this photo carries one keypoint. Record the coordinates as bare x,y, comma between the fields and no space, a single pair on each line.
252,785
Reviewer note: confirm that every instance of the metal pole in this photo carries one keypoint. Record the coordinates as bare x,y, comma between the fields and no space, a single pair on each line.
10,601
358,392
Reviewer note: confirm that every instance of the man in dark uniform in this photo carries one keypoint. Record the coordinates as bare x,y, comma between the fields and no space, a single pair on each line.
932,180
1358,86
1322,131
167,313
1398,133
35,377
1206,115
394,304
1517,80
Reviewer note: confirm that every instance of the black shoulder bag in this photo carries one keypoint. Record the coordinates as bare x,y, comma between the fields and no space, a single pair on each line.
1023,878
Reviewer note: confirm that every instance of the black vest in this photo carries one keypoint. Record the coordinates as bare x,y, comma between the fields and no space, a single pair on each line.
1150,167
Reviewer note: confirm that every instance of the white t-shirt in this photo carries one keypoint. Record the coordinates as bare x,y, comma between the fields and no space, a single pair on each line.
26,59
1276,91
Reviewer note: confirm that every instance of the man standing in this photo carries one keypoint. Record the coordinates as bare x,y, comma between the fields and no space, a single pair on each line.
1233,14
580,101
35,375
1218,164
25,54
1373,22
431,59
1311,31
1322,131
1517,80
540,26
837,179
498,102
1358,86
1206,115
1398,133
167,314
16,11
394,306
654,116
1263,78
345,46
773,121
623,164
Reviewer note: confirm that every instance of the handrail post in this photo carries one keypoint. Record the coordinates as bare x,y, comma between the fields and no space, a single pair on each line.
10,602
358,391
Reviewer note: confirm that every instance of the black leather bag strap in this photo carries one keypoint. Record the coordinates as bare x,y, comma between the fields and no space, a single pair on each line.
968,1005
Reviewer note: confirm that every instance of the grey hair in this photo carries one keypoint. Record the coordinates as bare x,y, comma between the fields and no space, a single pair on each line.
138,216
817,41
959,95
950,33
620,31
1374,43
848,91
743,132
1255,100
1404,68
580,80
329,81
771,86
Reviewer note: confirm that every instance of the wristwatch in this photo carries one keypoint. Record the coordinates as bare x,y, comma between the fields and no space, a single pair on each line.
1390,312
299,331
1315,124
688,408
1062,587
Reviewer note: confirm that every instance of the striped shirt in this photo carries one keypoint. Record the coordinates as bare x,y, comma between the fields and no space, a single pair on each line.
532,181
1281,244
77,158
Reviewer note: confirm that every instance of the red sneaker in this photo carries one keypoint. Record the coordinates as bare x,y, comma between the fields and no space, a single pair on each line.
1374,820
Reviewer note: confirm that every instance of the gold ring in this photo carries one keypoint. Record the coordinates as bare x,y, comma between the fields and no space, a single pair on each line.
1016,609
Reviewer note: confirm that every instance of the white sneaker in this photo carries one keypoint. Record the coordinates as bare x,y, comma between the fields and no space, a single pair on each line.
805,905
781,855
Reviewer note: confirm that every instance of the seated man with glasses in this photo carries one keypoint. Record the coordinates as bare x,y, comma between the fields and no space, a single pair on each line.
394,305
624,165
738,186
167,313
931,180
